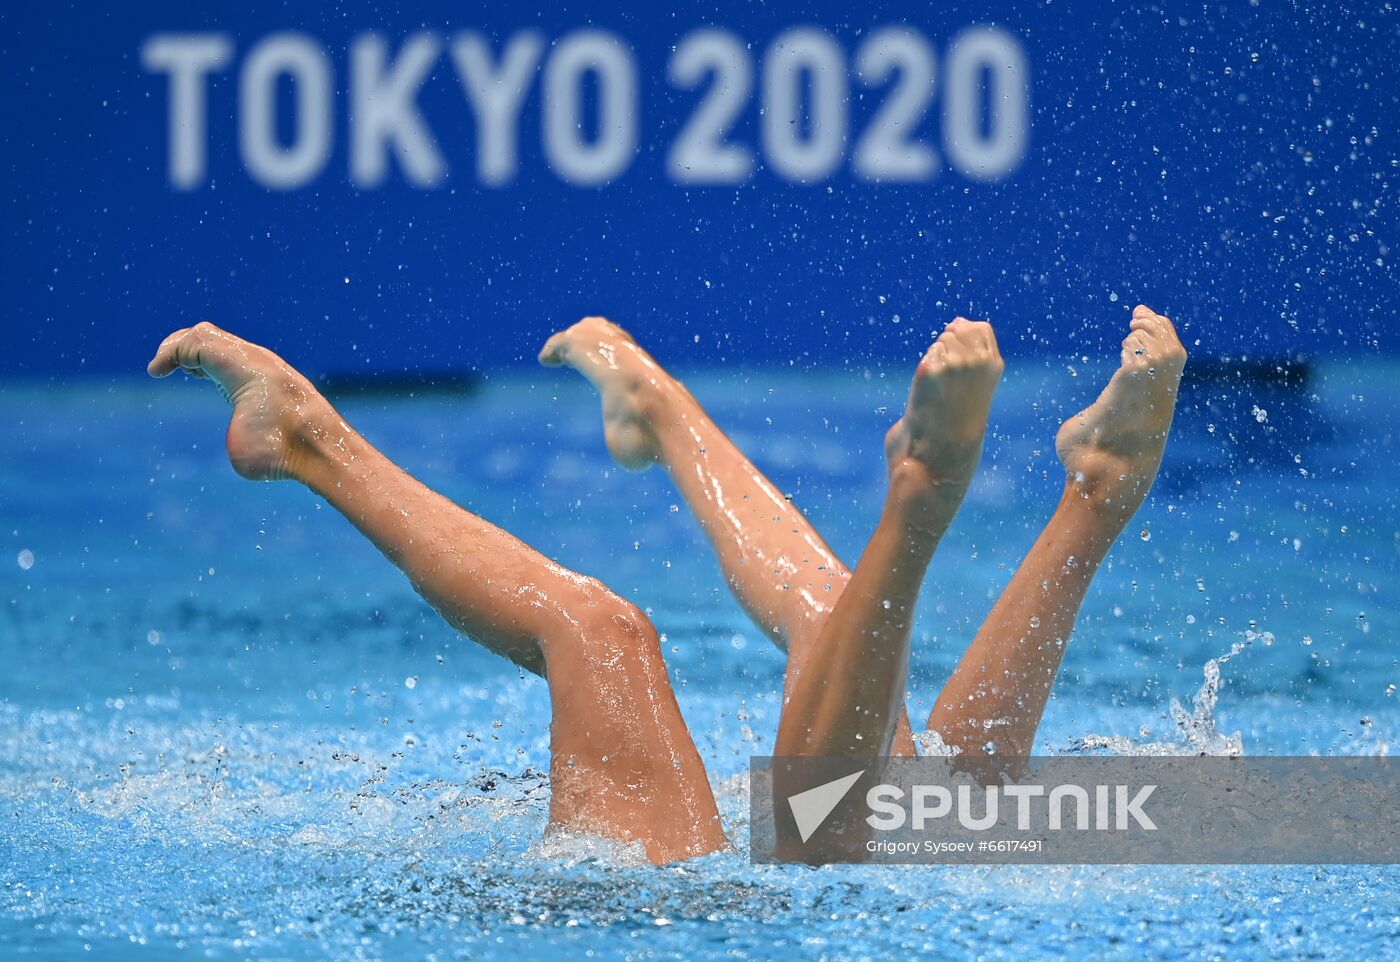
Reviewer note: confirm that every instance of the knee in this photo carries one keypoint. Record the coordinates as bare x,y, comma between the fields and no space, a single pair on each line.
600,618
601,641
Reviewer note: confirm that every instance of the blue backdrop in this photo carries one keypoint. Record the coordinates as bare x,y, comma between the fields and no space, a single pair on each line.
1232,164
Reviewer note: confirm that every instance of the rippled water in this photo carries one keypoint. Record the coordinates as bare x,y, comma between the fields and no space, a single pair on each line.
228,729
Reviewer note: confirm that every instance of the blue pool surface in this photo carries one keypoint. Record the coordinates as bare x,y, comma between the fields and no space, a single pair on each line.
229,729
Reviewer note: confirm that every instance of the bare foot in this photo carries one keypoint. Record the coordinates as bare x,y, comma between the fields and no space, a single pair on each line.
626,377
1112,449
276,411
936,445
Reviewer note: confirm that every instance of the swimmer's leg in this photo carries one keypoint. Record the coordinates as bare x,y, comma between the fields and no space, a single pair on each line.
623,763
780,570
1111,451
846,698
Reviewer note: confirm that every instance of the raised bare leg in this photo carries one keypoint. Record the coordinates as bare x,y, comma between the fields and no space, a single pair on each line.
846,690
993,703
778,567
623,764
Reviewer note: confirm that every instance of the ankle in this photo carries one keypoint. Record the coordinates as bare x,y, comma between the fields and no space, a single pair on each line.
924,502
1117,496
1107,507
661,401
317,439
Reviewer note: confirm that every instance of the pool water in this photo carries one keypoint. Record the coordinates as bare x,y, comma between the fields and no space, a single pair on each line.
229,729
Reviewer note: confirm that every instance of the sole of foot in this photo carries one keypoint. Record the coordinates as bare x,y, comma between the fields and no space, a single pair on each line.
276,412
937,443
1112,449
626,378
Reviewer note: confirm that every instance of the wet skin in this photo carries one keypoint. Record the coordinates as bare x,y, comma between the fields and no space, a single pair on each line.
623,764
854,655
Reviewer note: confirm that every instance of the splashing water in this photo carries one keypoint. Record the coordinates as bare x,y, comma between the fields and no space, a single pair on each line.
232,766
1197,729
932,745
